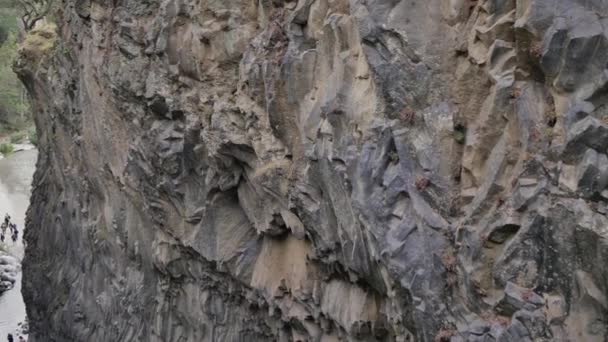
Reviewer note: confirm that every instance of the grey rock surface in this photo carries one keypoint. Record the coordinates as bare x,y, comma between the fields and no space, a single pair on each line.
319,170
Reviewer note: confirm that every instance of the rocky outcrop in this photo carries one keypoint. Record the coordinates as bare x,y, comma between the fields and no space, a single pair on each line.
319,170
9,269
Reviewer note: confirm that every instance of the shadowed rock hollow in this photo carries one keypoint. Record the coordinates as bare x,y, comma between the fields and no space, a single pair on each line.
319,170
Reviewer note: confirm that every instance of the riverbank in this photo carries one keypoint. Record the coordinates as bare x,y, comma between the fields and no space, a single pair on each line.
21,140
16,172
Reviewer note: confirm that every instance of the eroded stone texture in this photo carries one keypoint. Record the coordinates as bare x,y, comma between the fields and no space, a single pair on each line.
320,170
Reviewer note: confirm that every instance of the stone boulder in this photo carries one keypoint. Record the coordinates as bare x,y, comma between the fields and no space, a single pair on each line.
9,270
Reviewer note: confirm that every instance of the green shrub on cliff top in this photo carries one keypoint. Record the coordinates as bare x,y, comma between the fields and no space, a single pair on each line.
6,149
37,43
14,106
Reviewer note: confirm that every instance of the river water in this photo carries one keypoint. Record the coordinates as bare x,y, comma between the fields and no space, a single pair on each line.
16,174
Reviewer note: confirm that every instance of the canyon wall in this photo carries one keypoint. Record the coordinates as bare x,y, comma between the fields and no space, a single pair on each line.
319,170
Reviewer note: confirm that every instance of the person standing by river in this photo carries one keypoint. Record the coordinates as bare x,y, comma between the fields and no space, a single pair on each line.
5,224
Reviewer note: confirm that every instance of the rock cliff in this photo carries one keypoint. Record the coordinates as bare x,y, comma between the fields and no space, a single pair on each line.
319,170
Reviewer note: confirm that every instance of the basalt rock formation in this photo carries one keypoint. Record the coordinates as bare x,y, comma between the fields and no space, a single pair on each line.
319,170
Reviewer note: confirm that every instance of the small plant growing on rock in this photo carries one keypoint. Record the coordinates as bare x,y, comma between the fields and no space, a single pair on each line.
451,280
450,262
422,183
6,149
478,289
526,295
37,43
534,134
449,234
549,132
515,92
393,156
454,201
536,49
408,115
448,259
460,134
445,333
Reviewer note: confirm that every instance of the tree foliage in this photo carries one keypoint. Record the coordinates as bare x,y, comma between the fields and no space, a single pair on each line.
14,105
13,100
3,35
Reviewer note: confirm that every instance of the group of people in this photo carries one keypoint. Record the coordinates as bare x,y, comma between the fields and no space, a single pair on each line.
10,338
13,229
